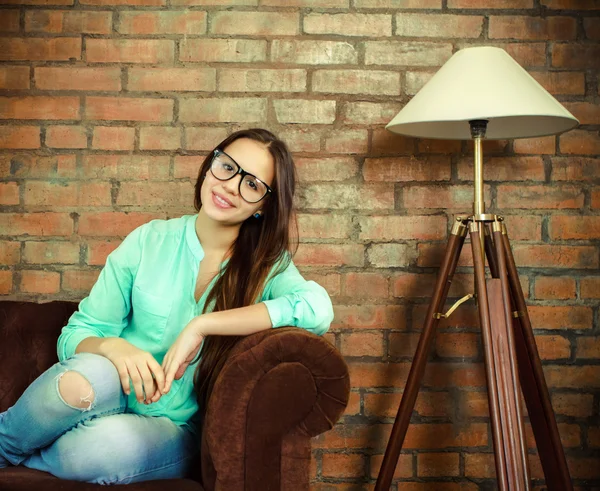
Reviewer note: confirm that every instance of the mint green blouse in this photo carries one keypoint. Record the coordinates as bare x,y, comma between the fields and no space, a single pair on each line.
145,294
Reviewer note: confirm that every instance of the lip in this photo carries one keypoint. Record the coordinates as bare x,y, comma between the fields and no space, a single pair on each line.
223,198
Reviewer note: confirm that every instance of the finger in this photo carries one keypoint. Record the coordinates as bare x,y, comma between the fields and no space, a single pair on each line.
137,381
157,395
147,380
159,374
169,375
124,376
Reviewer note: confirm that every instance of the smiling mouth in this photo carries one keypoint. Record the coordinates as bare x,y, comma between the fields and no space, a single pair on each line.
224,203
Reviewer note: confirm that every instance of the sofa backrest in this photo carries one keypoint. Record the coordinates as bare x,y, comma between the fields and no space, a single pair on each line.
28,335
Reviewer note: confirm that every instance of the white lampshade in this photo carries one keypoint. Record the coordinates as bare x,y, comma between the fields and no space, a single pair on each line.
482,83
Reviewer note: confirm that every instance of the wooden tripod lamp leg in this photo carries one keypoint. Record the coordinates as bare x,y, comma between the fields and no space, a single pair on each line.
411,390
534,386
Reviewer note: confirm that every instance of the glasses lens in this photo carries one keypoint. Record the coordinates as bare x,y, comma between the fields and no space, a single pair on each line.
252,190
223,167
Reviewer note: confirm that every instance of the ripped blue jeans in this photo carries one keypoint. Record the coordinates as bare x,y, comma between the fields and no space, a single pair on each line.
99,443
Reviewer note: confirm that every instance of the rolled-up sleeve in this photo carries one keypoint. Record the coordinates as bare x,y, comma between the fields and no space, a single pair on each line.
293,301
104,312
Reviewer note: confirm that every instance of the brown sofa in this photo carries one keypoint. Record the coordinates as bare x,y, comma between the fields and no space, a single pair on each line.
278,389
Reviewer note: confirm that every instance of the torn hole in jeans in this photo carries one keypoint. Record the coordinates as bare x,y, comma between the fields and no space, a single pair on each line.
81,399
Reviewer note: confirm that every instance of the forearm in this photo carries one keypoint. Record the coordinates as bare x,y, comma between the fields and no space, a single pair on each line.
95,345
235,322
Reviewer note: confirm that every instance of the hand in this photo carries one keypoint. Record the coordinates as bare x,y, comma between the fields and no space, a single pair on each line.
180,355
131,362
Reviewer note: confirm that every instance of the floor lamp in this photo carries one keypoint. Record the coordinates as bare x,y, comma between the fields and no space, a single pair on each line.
482,93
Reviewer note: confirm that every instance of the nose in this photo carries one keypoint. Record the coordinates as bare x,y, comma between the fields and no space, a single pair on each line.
232,185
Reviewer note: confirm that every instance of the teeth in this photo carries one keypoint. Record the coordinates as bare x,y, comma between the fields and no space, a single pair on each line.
222,201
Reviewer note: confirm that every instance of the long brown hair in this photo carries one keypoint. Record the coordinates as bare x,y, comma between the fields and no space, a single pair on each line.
261,244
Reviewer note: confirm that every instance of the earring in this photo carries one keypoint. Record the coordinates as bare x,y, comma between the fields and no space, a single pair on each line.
256,215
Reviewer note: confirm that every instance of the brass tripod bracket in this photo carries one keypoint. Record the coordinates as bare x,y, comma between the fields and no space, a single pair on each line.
439,315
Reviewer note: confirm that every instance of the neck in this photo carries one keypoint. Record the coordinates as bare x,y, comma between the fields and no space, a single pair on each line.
216,238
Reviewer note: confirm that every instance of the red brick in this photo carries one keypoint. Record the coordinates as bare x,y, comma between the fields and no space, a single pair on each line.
370,316
71,194
223,50
9,21
39,282
223,110
330,281
321,4
445,196
415,81
385,142
366,285
407,53
585,112
362,344
527,54
153,194
40,224
555,288
555,256
588,347
434,404
80,78
553,347
67,22
343,465
79,280
38,2
474,404
560,317
203,138
324,226
591,26
40,107
113,138
53,166
542,196
6,282
171,79
326,168
329,255
505,169
371,25
405,4
569,4
457,345
370,113
98,251
387,228
422,285
347,141
40,49
483,4
403,345
576,405
10,252
391,255
438,25
302,139
255,23
532,28
438,464
160,138
430,146
313,52
480,465
262,80
401,169
558,83
580,142
63,136
574,227
575,168
176,22
376,82
590,287
129,109
125,167
112,224
14,77
403,467
353,407
51,252
9,193
129,50
578,56
346,196
307,111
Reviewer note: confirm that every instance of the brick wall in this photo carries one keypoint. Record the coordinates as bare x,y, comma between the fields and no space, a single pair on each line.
109,105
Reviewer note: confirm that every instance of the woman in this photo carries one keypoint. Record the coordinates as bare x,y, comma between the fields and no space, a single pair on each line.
125,401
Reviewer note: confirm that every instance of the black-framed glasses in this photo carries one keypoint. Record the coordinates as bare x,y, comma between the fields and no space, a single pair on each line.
224,168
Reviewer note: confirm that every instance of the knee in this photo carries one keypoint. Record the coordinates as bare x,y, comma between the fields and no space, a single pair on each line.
76,390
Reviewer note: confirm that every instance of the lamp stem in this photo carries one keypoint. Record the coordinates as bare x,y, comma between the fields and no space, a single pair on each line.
478,128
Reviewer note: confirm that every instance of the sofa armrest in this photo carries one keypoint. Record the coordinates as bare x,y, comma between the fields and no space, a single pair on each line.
278,388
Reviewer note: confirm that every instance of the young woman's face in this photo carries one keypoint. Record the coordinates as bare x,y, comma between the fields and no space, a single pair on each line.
221,200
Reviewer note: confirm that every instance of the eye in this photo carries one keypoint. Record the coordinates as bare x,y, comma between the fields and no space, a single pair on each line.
252,185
